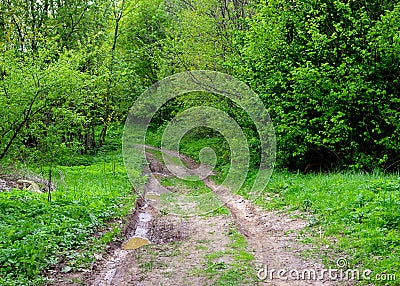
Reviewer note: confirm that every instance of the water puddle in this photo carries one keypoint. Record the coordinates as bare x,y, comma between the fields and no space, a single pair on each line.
139,236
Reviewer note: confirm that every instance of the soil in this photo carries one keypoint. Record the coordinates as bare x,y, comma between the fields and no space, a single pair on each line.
10,181
179,245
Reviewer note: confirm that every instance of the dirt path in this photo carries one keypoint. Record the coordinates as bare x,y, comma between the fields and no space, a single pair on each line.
209,249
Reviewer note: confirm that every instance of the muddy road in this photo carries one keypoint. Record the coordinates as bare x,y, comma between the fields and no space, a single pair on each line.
239,244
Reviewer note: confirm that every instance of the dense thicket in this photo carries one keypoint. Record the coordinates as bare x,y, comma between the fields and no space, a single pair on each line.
328,71
63,80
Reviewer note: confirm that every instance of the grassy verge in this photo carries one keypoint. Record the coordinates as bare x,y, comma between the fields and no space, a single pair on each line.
353,216
36,235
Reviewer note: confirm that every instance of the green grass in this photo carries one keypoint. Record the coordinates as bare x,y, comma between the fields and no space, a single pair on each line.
358,215
231,266
148,257
36,235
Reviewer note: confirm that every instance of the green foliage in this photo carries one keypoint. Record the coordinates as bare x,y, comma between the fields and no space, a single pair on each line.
328,73
29,26
37,234
60,77
144,30
37,106
202,34
197,139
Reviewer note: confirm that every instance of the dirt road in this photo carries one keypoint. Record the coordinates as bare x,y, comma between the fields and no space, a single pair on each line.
240,244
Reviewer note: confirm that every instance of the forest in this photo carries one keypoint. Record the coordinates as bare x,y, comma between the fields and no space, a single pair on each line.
327,72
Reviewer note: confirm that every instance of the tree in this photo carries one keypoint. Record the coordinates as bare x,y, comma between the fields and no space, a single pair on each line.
321,70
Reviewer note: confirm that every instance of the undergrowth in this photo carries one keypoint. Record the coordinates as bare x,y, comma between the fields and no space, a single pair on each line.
37,234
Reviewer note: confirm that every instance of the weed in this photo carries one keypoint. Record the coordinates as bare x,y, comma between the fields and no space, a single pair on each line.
240,270
36,234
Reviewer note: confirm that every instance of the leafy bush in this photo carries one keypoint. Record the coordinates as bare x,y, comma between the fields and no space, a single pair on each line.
329,73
